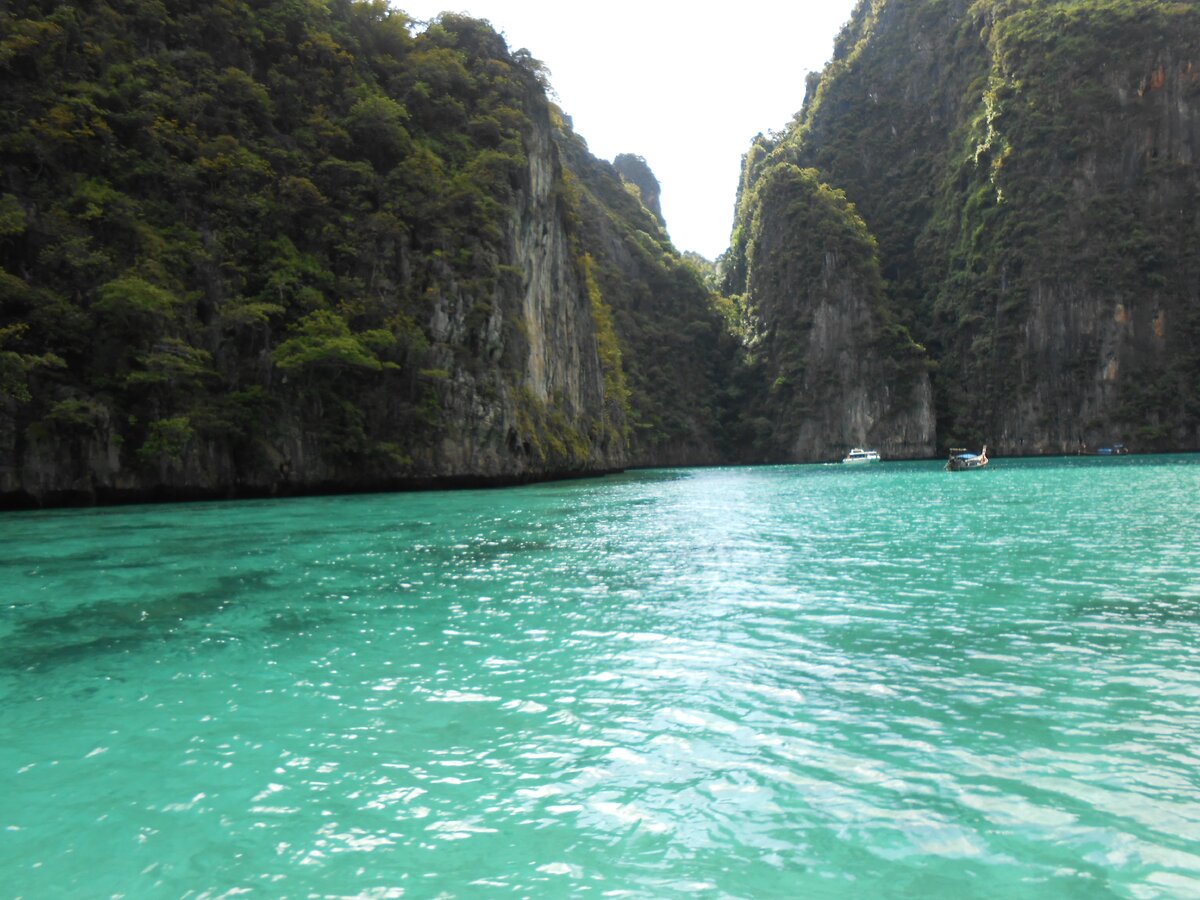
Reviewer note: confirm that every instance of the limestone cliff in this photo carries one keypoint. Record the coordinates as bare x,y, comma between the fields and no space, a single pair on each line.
315,283
525,394
635,171
515,375
679,354
253,249
1029,171
840,372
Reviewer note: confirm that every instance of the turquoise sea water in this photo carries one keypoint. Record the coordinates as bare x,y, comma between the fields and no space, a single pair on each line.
777,682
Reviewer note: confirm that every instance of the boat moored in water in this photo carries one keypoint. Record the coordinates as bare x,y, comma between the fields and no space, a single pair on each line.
962,460
859,455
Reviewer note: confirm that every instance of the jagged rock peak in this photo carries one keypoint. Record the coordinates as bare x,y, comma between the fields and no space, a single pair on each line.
635,170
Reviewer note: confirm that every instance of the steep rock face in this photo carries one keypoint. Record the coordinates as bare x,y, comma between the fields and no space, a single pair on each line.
1080,252
637,172
878,123
365,295
841,372
678,352
1029,171
281,248
545,411
519,388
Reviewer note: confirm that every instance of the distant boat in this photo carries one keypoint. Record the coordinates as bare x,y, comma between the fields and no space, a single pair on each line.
961,460
859,455
1114,450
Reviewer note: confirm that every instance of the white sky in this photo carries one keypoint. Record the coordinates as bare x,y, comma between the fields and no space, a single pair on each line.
685,85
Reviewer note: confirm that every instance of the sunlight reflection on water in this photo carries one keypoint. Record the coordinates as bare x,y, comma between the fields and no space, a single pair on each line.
785,681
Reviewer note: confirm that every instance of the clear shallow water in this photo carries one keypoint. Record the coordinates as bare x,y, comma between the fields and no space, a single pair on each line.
777,682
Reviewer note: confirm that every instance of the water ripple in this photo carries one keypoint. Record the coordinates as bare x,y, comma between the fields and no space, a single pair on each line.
791,681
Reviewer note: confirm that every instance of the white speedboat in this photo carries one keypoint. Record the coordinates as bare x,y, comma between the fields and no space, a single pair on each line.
859,455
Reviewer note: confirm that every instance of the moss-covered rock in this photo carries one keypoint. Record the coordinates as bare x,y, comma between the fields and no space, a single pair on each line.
1028,169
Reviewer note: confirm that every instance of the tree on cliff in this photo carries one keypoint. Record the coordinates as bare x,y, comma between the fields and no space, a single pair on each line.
227,228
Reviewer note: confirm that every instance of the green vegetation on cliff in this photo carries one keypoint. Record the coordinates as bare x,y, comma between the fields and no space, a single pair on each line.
216,213
297,244
293,241
826,350
679,352
1028,169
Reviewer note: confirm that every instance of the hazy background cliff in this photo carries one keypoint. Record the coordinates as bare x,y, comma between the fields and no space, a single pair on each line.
1028,172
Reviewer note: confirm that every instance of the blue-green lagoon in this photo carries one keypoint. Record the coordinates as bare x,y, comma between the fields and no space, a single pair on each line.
800,681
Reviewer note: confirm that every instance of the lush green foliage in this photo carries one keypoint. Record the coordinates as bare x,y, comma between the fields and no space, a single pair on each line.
225,221
637,175
808,252
1029,173
678,353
